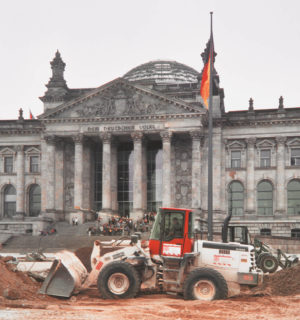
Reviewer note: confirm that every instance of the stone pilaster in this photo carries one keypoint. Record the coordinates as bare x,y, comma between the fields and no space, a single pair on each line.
137,176
20,205
106,172
196,169
78,171
250,209
166,139
280,175
50,173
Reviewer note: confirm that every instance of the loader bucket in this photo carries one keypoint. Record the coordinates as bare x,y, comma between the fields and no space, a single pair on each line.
65,277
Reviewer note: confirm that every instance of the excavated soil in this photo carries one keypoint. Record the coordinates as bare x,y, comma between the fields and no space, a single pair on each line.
282,283
277,298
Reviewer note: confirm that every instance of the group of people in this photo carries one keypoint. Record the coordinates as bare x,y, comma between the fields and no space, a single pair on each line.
122,225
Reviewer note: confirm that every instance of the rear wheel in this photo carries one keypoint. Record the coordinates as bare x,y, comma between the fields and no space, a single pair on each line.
205,284
118,280
269,264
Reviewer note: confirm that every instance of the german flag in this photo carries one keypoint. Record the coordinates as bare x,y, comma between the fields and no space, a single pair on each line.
206,74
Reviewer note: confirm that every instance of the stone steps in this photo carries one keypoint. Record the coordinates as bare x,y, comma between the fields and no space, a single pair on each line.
67,237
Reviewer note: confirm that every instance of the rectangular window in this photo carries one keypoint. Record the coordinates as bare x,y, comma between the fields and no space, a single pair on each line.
265,158
8,164
34,164
295,157
235,159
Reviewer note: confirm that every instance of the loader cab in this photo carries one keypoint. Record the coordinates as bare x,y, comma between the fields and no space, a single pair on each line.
239,234
172,233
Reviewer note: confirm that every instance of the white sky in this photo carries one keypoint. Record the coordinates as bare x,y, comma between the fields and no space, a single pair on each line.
257,41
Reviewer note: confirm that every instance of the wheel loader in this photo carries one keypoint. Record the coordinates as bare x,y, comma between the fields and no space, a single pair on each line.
267,258
174,261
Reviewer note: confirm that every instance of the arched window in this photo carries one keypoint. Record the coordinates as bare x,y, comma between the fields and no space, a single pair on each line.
265,198
236,198
34,200
9,201
265,232
293,195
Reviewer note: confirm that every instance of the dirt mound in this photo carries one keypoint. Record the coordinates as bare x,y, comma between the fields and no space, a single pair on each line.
282,283
15,284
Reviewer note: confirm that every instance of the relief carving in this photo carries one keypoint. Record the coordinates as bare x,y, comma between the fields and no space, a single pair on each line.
103,108
183,172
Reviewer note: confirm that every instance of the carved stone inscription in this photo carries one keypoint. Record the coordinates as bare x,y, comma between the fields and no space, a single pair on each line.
182,163
124,128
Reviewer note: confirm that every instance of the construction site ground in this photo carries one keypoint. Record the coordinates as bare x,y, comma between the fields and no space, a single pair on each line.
277,298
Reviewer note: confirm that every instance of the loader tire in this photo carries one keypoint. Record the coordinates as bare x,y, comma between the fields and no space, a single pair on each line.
118,280
269,263
205,284
260,258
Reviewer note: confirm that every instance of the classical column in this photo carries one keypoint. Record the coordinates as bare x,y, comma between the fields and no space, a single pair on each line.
59,176
106,172
78,171
196,169
166,196
280,175
20,205
137,176
250,176
50,173
114,176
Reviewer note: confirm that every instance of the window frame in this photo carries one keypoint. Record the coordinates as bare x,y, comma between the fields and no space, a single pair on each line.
31,165
236,209
264,199
295,233
295,199
235,159
5,164
263,159
295,159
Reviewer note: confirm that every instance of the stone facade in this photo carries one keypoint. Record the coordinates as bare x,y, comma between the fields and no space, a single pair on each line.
57,152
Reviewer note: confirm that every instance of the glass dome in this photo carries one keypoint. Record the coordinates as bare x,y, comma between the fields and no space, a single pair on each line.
162,72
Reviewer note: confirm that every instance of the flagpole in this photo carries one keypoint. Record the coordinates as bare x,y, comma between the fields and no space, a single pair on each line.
210,142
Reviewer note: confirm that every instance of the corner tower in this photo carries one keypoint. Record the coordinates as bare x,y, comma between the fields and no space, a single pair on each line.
57,92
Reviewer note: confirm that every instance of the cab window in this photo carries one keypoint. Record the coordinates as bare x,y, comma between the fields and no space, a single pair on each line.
173,226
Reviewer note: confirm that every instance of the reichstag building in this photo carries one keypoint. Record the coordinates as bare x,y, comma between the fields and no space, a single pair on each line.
138,143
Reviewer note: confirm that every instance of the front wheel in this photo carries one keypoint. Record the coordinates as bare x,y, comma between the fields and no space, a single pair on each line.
269,264
118,280
205,284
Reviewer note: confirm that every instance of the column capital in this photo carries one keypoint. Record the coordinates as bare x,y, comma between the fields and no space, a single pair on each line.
60,142
196,135
280,140
20,148
137,136
78,138
250,142
50,139
166,136
106,137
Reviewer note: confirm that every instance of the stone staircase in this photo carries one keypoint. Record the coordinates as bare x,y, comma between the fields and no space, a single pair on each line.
67,237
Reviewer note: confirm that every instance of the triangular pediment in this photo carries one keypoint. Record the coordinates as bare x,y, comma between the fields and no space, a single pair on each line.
265,144
119,98
32,150
294,142
236,145
7,151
